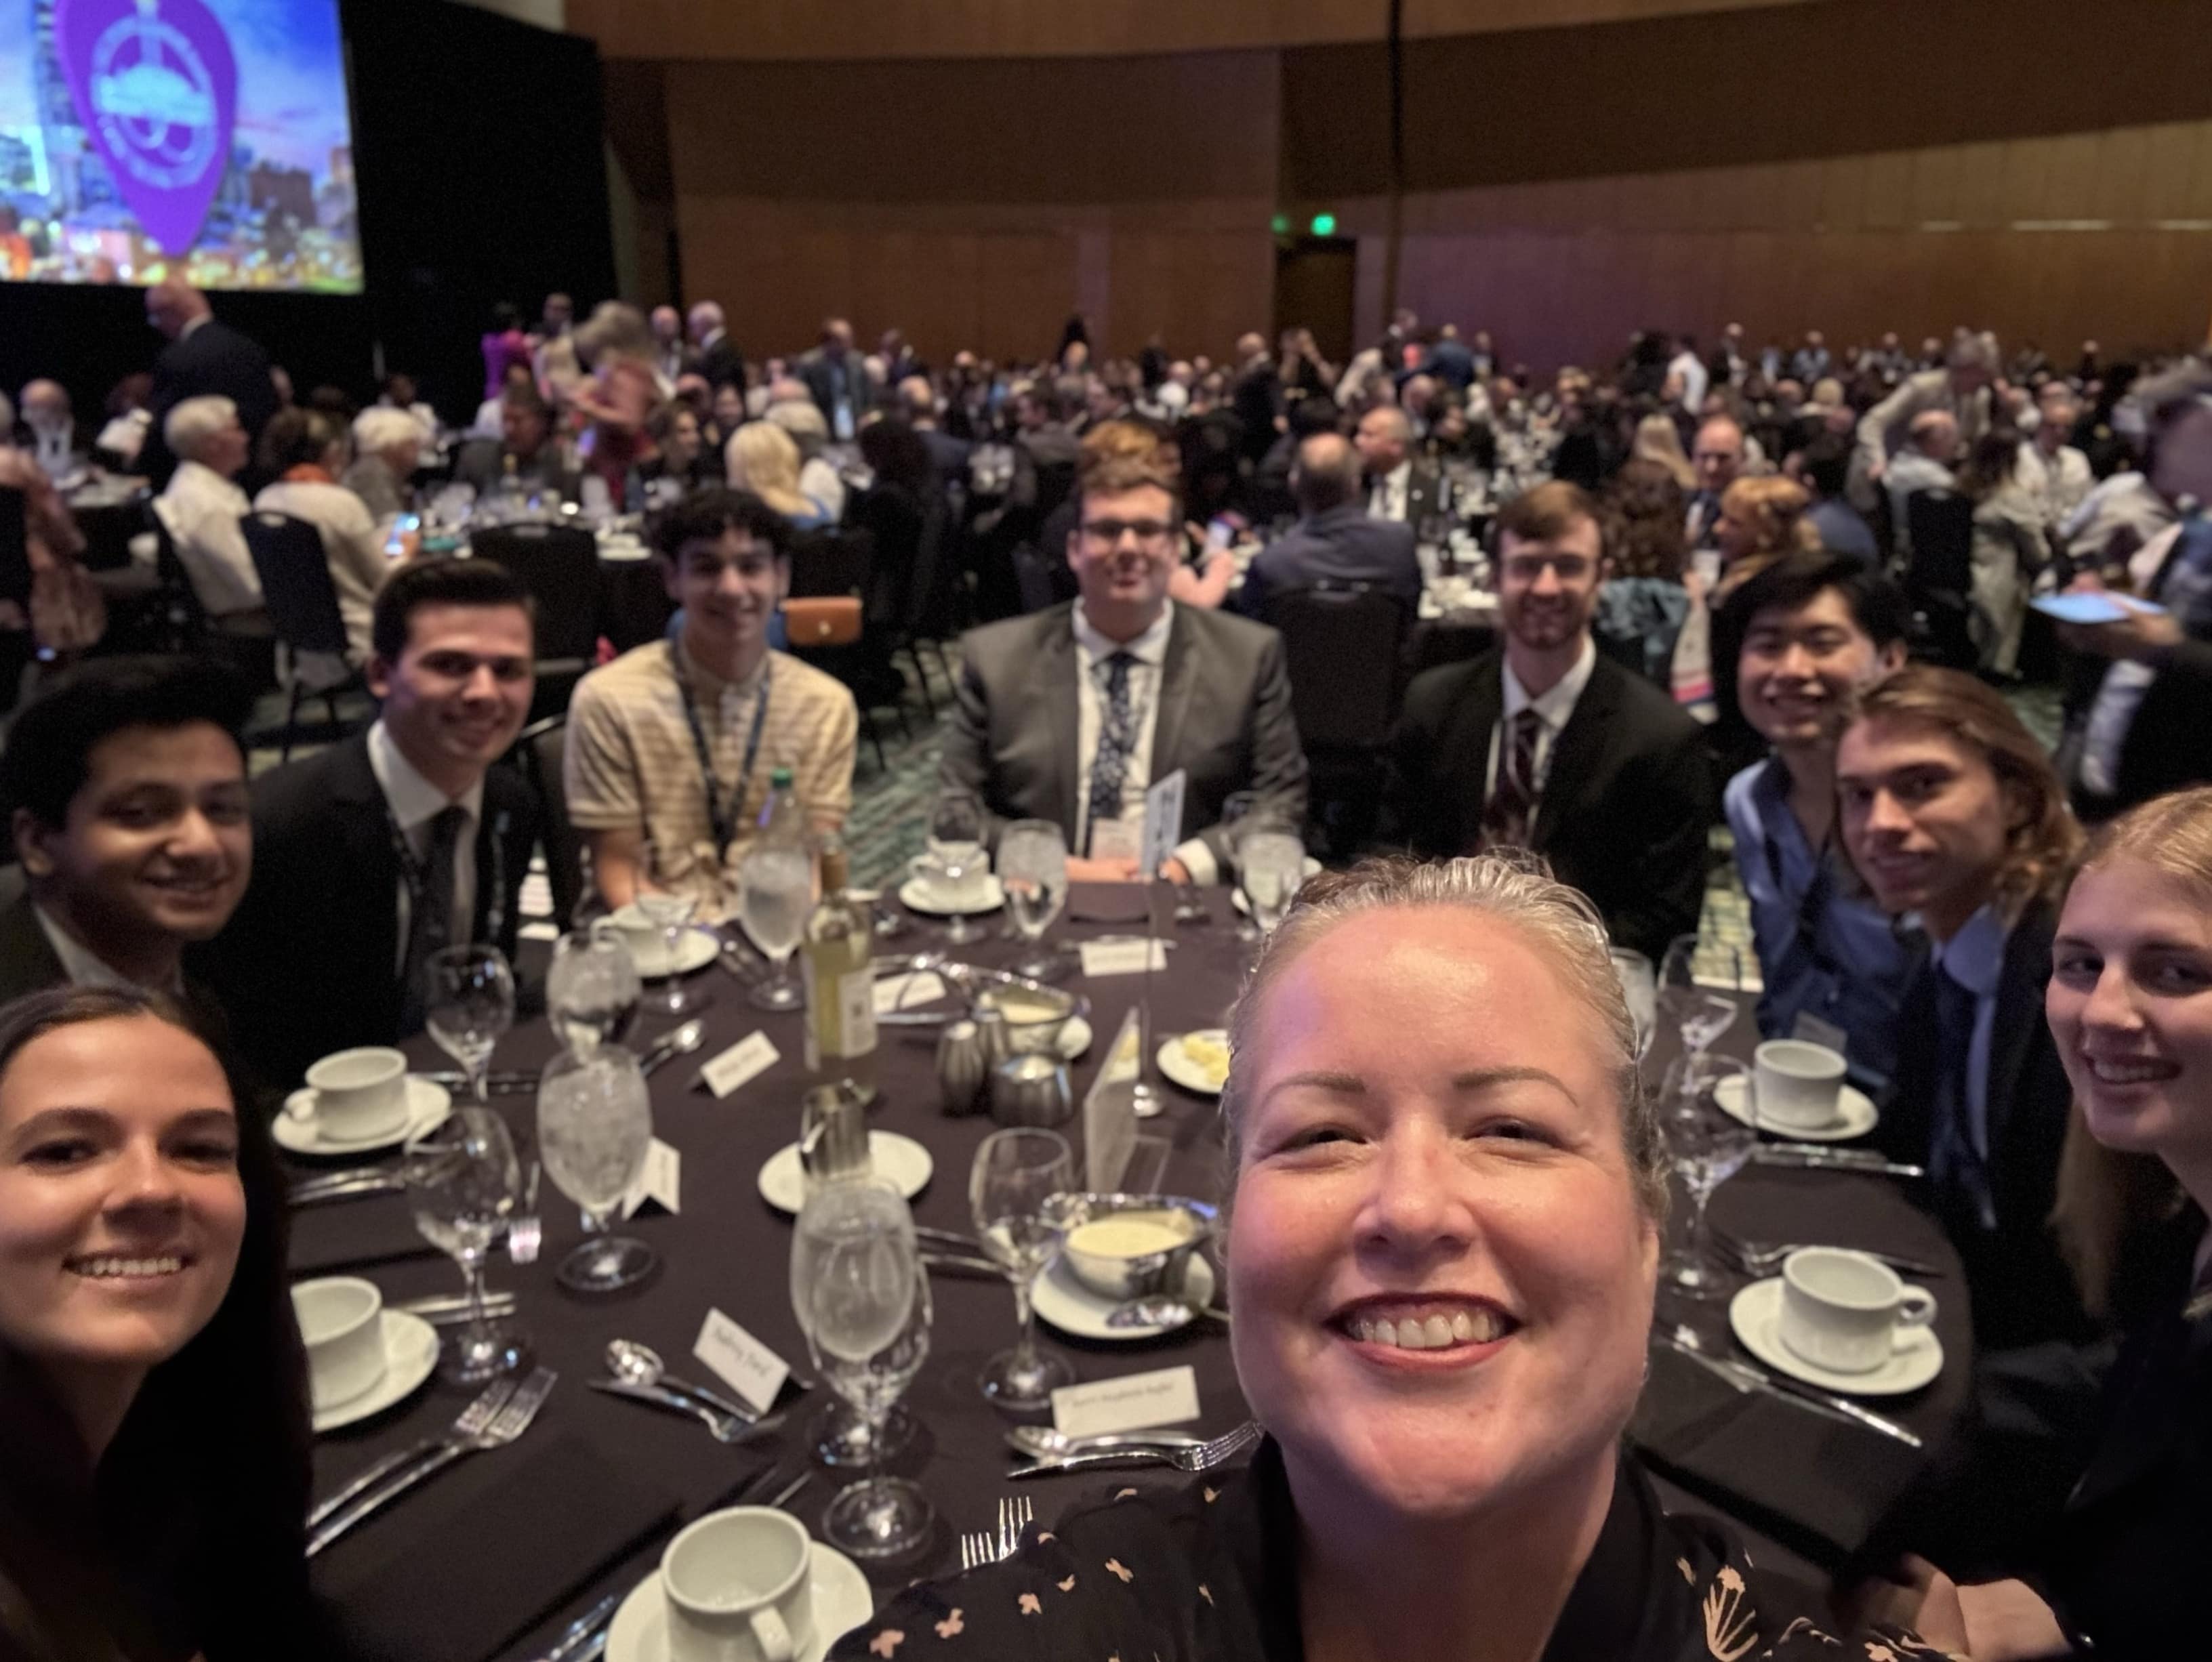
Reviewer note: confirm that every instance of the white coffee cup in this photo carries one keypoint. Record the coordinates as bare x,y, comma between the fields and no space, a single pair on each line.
1848,1313
342,1324
360,1093
738,1588
1797,1085
967,889
645,938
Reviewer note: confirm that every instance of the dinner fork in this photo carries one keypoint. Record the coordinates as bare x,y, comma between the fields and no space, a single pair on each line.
1758,1260
470,1423
1219,1451
509,1423
977,1550
1015,1512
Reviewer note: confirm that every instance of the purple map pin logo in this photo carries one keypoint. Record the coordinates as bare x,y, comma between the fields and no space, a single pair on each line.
156,87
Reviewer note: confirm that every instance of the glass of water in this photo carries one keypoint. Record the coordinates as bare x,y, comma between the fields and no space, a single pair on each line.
468,1003
955,851
463,1183
592,991
594,1127
673,874
1270,864
778,884
1015,1174
1706,1146
1697,985
1639,986
861,1295
1033,868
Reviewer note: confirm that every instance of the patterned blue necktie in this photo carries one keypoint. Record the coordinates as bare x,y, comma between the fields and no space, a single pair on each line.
1117,738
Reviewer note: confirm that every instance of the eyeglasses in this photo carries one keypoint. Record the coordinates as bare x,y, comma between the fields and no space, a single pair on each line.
1528,567
1106,533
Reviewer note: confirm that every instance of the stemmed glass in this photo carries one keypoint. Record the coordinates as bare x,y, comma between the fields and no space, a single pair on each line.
1236,820
594,1127
592,991
669,897
1270,864
955,851
1639,986
862,1299
1033,867
778,884
1016,1173
465,1183
1685,998
469,1001
1707,1146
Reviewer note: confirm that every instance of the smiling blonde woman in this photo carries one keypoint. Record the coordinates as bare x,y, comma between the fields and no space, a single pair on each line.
1442,1246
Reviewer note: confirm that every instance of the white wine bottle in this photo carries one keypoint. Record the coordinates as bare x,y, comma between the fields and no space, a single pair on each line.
836,960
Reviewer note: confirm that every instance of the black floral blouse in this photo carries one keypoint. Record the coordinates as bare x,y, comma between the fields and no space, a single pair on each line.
1208,1573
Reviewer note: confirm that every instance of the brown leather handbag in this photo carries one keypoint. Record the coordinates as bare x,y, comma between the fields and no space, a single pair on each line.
822,620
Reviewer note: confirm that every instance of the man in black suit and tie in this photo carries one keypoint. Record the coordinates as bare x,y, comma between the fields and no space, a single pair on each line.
1718,455
1398,487
1070,714
1336,540
203,356
1547,745
838,380
715,355
380,851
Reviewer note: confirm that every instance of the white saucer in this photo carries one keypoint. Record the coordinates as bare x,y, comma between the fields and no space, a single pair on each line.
1236,895
1176,1064
411,1356
783,1182
622,551
428,1105
843,1601
695,949
1073,1308
916,895
1755,1313
1857,1116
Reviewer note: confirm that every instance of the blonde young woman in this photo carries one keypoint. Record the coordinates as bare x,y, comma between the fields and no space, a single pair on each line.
1443,1243
761,459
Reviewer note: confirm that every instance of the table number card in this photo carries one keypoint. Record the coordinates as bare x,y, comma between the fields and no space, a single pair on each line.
749,1367
661,1182
1162,823
748,1058
1135,1402
1109,1110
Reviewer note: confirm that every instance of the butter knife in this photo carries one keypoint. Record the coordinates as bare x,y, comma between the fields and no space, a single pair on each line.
1746,1378
1820,1156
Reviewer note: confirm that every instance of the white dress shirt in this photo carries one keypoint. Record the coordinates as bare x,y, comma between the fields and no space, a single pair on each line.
202,509
1695,380
414,801
1388,499
1554,707
2059,480
1149,649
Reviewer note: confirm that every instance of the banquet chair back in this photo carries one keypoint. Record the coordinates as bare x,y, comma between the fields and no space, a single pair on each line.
837,563
1341,646
539,752
295,582
184,620
1939,575
559,565
14,548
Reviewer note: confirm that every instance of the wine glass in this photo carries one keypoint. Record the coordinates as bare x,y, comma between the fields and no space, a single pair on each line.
778,884
1707,1146
465,1183
469,1001
673,876
1033,867
594,1127
1270,864
1639,986
861,1295
592,991
956,853
1015,1174
1687,997
1236,819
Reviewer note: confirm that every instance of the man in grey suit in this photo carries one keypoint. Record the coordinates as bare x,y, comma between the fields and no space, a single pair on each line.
1335,540
1399,487
1069,714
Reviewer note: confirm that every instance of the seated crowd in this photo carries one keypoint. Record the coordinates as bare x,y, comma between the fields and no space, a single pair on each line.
1708,573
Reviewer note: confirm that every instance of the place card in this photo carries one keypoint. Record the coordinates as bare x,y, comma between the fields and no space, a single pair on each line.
660,1182
1123,957
748,1058
1134,1401
909,991
741,1362
1162,823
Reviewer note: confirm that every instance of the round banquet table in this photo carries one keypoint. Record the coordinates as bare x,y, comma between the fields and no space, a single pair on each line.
482,1562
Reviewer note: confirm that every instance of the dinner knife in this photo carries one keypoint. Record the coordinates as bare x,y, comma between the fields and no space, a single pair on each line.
1743,1377
352,1187
1819,1157
581,1632
964,1264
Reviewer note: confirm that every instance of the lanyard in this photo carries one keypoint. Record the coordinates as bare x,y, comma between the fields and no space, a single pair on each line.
723,821
1814,901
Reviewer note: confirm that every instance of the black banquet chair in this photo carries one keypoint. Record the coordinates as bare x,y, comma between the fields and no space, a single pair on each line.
827,564
303,611
559,565
1939,578
1342,645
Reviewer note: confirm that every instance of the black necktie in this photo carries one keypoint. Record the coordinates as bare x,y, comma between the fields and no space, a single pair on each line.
1511,813
1953,1165
1117,741
430,927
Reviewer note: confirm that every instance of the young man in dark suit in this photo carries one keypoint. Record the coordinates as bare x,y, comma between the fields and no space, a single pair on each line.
125,784
1545,744
1953,815
203,356
378,850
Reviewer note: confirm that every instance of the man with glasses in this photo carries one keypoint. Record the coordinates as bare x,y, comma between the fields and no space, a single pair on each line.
1546,744
373,854
1070,714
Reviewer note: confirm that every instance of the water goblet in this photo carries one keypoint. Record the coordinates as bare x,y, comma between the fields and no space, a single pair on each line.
1016,1173
1033,867
592,990
674,874
778,885
1706,1146
463,1183
956,850
1696,984
594,1128
467,1003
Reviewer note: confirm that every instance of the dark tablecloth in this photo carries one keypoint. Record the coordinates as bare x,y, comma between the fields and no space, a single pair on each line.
728,1249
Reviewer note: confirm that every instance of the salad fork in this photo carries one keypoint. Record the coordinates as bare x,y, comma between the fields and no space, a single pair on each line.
1219,1451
